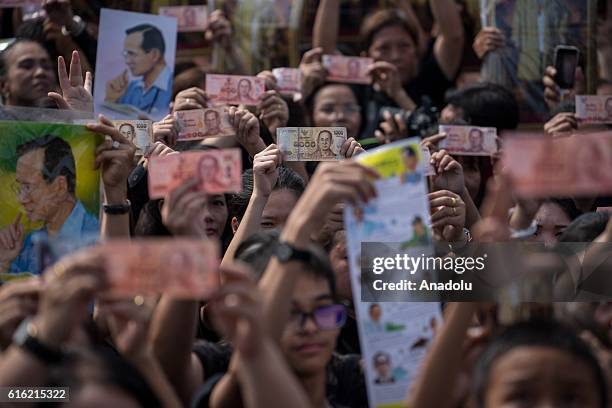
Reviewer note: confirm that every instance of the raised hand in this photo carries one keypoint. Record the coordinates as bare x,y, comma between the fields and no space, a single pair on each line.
181,212
269,78
236,310
219,29
561,124
312,70
166,130
116,87
191,98
351,148
11,242
392,128
76,91
488,40
265,170
448,217
18,300
246,126
273,111
449,172
552,92
116,159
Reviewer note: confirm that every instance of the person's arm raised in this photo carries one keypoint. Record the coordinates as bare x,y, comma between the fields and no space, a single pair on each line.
263,374
326,26
265,175
76,90
442,364
345,181
115,157
246,126
448,48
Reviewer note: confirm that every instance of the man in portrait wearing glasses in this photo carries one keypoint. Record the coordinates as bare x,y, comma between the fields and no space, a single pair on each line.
151,91
45,188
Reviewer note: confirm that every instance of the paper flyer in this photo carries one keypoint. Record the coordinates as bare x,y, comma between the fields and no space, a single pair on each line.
394,334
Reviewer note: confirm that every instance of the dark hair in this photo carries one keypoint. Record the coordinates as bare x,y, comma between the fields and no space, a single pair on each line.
409,151
152,38
374,22
535,333
4,54
382,354
373,305
486,104
586,227
257,250
58,161
127,124
287,180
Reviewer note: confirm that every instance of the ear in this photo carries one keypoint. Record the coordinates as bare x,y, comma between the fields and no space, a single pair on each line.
60,184
157,55
235,225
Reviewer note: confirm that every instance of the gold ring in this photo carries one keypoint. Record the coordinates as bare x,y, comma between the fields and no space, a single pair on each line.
454,201
59,269
139,300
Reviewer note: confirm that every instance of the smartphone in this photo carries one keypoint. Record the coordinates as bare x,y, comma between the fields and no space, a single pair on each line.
566,61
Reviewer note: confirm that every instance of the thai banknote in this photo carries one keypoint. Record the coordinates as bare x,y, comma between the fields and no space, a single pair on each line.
353,70
217,170
139,132
234,89
469,140
288,80
202,123
189,18
311,143
561,167
594,108
182,268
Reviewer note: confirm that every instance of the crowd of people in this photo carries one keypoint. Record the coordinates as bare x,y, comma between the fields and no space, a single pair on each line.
281,329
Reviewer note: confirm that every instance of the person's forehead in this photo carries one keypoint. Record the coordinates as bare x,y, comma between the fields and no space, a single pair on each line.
280,203
335,94
134,40
551,213
30,165
28,50
309,288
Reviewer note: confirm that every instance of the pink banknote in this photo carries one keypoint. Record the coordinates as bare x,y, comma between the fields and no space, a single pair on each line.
469,140
234,89
189,18
202,123
572,166
219,171
182,268
288,80
352,70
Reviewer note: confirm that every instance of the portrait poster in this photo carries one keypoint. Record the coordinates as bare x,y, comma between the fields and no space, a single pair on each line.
267,31
49,190
394,330
532,29
134,65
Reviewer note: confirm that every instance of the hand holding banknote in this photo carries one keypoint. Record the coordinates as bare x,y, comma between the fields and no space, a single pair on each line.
115,157
128,323
269,78
312,70
166,130
219,29
246,126
351,148
191,98
449,172
236,309
561,123
265,170
182,210
273,111
70,287
448,215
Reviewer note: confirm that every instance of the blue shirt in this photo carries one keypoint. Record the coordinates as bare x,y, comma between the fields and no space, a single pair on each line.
154,101
79,229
